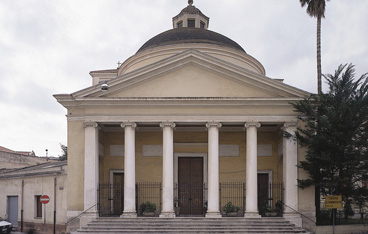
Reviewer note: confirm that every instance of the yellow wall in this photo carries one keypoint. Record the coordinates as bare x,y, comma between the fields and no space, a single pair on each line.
75,180
149,168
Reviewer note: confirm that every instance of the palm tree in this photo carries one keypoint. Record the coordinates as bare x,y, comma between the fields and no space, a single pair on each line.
316,8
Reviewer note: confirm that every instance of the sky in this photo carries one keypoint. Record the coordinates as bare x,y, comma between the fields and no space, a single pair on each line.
49,47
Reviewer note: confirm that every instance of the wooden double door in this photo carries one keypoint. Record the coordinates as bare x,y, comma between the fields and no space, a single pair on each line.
190,186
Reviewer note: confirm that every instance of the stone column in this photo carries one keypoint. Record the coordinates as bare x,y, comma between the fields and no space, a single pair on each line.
90,166
251,210
129,170
290,170
168,170
213,210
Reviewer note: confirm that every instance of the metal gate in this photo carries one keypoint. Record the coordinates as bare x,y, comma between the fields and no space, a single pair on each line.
110,199
270,199
190,199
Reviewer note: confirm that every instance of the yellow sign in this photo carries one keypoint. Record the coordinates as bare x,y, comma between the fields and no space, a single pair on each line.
334,205
334,202
334,198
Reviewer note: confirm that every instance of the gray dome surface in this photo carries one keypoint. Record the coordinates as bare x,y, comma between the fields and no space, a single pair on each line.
189,35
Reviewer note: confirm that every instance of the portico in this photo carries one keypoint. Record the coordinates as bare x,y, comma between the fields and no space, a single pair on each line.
212,163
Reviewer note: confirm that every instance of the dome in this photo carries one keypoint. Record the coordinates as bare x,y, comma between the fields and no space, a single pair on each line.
186,35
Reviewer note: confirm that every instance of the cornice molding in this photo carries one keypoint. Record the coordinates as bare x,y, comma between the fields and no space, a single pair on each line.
94,102
203,119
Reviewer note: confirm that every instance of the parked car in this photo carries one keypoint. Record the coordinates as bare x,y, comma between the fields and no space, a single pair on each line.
5,227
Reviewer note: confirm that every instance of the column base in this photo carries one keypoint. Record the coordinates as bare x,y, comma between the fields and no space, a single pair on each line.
213,215
129,215
293,218
252,215
167,215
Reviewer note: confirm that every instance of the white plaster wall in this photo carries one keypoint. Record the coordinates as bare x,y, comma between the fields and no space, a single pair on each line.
40,185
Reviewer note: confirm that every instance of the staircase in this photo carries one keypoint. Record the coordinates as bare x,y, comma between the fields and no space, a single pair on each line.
189,225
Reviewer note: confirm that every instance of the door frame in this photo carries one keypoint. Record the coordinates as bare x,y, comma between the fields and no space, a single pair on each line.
192,155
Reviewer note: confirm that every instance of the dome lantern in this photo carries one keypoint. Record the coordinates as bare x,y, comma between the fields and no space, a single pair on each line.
191,17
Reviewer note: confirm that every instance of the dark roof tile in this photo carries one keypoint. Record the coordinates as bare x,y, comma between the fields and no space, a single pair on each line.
190,35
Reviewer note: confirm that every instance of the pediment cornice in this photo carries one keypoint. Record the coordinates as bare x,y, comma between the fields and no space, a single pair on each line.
202,60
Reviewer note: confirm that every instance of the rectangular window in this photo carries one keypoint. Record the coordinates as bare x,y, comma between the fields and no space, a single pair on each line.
191,23
38,206
202,24
180,24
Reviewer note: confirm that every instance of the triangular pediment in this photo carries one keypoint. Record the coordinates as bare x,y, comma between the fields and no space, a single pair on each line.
193,74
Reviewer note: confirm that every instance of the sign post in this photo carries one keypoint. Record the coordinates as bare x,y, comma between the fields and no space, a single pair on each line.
333,202
44,200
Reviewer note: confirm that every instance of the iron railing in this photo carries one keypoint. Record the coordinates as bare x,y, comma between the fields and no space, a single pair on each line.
111,197
148,191
233,192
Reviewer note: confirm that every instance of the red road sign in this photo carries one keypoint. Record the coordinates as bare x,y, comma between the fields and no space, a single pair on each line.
44,199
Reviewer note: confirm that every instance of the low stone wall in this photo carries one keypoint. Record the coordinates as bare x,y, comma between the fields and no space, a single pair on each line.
344,229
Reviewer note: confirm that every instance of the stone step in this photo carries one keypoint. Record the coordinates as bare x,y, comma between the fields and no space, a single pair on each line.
189,231
189,225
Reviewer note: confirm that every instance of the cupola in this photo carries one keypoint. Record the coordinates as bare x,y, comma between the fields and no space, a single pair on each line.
191,17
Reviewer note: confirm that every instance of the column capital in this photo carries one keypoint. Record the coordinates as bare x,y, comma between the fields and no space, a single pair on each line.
167,124
289,124
213,124
90,124
128,124
254,124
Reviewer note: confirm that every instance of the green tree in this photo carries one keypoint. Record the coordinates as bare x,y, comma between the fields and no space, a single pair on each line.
64,155
317,8
337,153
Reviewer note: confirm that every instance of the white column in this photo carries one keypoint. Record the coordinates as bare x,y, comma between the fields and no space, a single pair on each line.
290,170
213,209
168,170
129,170
90,166
251,210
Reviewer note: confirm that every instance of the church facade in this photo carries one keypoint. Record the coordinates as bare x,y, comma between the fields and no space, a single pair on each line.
190,123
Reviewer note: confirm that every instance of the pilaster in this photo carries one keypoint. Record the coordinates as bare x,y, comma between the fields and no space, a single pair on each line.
90,166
